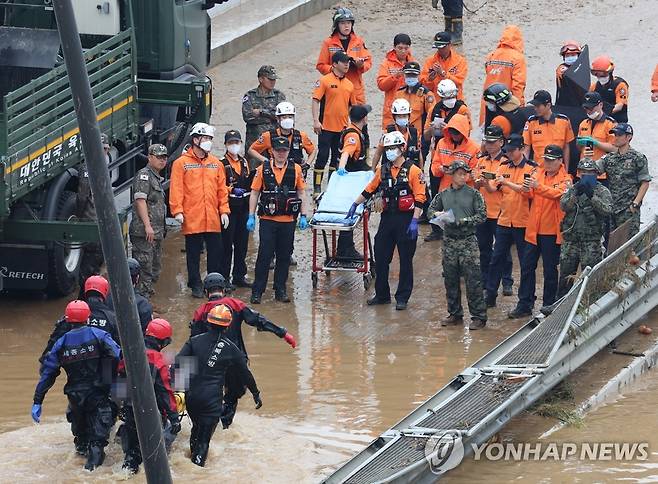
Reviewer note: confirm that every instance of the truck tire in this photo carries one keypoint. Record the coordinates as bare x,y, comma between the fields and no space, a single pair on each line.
64,260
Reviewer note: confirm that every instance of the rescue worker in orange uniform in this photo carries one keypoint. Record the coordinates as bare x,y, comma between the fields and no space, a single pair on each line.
594,137
198,199
514,211
455,145
344,39
332,97
654,85
277,191
446,106
567,92
420,98
504,109
612,89
446,63
486,169
542,232
402,114
390,77
402,186
546,128
507,65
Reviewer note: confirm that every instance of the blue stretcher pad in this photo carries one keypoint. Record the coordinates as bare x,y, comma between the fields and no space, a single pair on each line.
339,196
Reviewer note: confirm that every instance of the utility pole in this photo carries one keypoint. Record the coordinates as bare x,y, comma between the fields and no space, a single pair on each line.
147,416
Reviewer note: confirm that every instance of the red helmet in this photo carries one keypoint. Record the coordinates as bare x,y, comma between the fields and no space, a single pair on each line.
159,328
603,63
570,47
77,312
220,315
98,284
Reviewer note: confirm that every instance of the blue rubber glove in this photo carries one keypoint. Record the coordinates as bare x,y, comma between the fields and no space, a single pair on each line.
251,222
303,224
412,230
36,412
585,140
341,171
352,210
238,192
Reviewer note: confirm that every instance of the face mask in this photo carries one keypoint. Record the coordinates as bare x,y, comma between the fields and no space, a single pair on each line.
570,59
287,123
491,106
402,122
392,154
603,80
593,115
206,146
234,148
411,81
450,102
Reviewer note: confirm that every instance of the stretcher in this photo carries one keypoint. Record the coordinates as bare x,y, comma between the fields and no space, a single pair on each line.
330,219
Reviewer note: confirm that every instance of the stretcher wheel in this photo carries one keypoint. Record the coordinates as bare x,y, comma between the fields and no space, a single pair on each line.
314,279
367,280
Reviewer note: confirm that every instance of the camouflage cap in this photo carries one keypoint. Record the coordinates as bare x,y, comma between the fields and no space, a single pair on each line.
267,71
588,164
458,164
158,150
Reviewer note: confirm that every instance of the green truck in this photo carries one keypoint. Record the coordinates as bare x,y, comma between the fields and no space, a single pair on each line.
146,61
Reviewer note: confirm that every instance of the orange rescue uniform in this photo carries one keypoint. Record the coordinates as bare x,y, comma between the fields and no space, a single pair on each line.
515,206
264,142
455,67
257,184
198,190
539,133
422,102
356,49
490,165
416,182
446,151
335,94
545,213
600,131
390,78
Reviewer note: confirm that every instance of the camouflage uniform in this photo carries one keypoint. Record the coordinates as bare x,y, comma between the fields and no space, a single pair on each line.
266,103
92,252
582,228
147,185
626,172
461,256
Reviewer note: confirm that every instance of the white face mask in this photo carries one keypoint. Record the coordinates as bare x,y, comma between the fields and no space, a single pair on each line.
570,59
287,123
402,122
206,146
392,154
234,148
450,102
603,80
593,115
491,106
411,81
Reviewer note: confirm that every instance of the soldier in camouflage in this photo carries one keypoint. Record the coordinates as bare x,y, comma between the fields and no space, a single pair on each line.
259,108
587,205
92,252
461,256
628,179
147,227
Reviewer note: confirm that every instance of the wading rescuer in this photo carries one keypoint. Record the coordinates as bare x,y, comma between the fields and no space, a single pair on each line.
401,186
144,308
97,289
89,357
214,285
157,337
277,191
202,365
460,246
198,199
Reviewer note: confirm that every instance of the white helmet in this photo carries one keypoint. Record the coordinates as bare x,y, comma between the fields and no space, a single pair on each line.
202,129
447,88
400,106
285,108
394,138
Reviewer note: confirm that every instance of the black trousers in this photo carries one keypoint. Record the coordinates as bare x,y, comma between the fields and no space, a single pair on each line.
90,265
549,250
91,417
203,428
234,389
235,242
193,247
392,233
328,141
505,237
453,8
485,233
276,238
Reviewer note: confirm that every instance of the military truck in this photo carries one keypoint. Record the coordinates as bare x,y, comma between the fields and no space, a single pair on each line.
146,61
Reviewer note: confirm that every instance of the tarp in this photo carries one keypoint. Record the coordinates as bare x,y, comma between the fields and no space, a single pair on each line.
339,196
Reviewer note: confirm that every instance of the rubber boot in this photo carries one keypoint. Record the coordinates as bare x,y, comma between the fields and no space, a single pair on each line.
447,24
131,462
95,456
456,30
228,413
200,453
81,446
318,175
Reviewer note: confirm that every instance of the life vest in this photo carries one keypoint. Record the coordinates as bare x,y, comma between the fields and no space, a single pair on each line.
279,199
396,193
360,163
235,180
609,96
296,153
439,109
412,152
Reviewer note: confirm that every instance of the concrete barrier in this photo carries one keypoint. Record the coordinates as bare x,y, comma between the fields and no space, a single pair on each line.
229,46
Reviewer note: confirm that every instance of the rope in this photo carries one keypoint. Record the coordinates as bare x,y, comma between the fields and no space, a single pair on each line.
477,9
